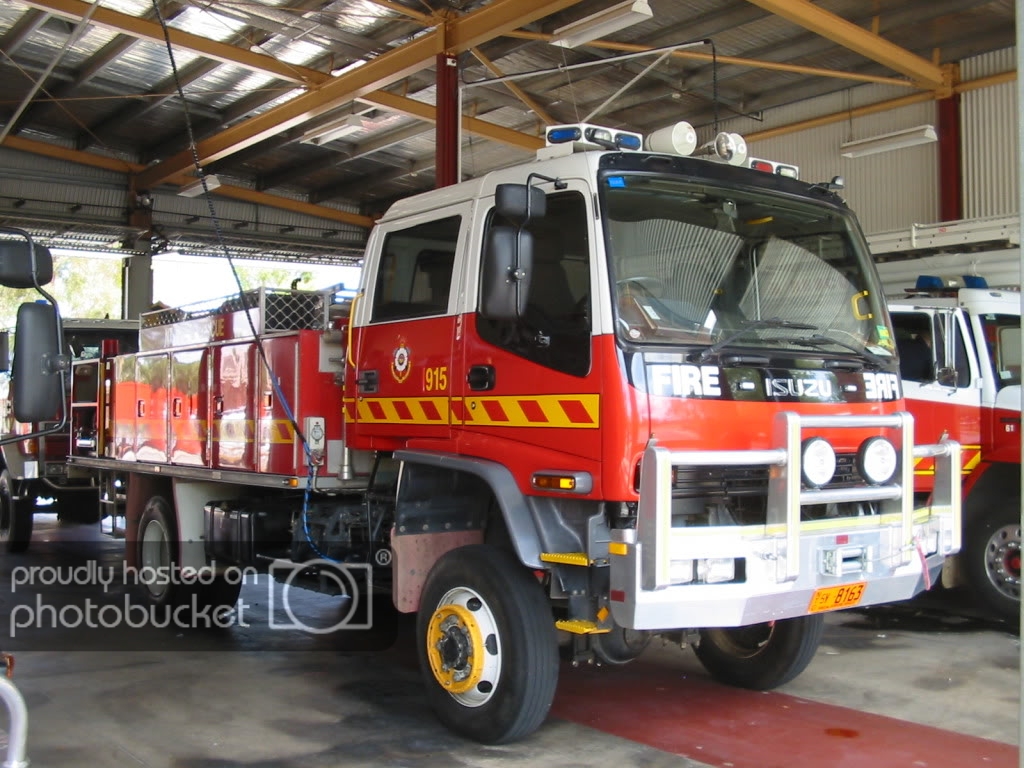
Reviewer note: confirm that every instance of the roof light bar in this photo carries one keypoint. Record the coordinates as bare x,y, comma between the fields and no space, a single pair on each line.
770,166
584,136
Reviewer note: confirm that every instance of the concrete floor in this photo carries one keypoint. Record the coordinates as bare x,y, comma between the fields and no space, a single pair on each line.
922,684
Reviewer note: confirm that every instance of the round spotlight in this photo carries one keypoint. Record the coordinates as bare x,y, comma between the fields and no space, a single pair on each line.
877,460
818,462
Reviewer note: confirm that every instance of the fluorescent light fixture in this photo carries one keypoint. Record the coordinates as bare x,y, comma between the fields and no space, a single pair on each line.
339,71
195,188
335,130
911,137
597,25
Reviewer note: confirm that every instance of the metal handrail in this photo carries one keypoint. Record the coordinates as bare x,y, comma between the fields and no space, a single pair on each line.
18,730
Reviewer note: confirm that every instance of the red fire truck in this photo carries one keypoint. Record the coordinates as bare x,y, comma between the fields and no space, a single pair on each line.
36,468
611,392
961,363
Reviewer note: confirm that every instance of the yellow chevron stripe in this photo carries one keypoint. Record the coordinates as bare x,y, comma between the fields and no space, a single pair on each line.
517,411
278,431
560,411
971,459
366,413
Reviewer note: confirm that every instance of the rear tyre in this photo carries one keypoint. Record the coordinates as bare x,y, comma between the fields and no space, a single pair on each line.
160,579
991,557
761,656
157,554
15,517
488,648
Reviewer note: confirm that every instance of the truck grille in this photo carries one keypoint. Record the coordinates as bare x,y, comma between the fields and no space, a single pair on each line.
731,495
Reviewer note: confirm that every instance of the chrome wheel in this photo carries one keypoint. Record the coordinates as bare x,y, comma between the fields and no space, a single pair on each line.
1002,560
464,648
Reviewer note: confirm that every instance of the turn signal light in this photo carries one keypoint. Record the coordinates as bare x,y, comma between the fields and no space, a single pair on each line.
555,482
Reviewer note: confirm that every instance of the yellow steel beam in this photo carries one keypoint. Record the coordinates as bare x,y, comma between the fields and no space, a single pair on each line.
849,35
518,92
837,117
882,106
211,49
776,66
225,190
458,35
71,155
426,112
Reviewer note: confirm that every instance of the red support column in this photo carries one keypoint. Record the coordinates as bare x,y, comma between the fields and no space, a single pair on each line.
950,187
446,170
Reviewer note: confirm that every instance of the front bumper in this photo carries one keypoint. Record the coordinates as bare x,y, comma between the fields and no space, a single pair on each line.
665,578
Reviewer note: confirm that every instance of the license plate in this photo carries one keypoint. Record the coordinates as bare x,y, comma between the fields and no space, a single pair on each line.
830,598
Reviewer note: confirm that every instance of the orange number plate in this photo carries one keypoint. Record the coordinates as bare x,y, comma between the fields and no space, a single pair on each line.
830,598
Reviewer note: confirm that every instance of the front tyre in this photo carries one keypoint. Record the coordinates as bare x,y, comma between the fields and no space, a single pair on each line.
760,656
991,556
488,648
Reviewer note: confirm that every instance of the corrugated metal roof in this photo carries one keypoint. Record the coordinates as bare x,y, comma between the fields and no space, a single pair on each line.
112,94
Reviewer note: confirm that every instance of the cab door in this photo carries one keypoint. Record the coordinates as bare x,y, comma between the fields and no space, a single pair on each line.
945,397
528,391
404,332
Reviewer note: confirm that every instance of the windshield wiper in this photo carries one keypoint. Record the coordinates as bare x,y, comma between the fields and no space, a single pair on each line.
747,327
820,340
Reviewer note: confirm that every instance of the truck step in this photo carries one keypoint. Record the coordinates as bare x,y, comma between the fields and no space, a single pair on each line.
565,558
579,627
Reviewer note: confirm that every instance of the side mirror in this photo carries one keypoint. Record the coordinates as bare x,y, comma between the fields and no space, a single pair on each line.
507,269
37,377
520,202
946,377
24,264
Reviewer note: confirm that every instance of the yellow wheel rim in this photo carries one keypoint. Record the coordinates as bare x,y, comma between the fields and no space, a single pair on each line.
455,648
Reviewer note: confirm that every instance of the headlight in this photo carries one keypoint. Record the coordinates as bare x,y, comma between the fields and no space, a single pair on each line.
877,460
818,462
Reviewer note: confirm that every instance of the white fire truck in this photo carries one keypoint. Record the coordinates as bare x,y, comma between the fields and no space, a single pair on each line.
36,468
961,365
611,392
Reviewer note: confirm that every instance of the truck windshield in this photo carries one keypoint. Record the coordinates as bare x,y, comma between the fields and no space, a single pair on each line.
1002,335
700,265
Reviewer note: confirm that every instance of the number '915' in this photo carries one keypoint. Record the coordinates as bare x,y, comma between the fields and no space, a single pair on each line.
436,378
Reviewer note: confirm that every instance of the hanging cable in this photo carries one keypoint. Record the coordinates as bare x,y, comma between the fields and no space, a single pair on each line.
218,230
714,80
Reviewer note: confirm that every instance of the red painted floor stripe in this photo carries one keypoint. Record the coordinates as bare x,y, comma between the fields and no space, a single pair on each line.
733,728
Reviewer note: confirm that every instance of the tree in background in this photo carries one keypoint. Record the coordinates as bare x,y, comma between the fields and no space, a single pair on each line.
83,287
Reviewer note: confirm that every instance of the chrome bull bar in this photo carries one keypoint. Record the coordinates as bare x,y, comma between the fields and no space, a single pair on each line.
786,496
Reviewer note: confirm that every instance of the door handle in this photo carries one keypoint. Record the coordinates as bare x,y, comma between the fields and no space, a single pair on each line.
481,377
367,382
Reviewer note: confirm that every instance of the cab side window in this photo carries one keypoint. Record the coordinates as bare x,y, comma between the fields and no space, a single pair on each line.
414,278
554,331
914,344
